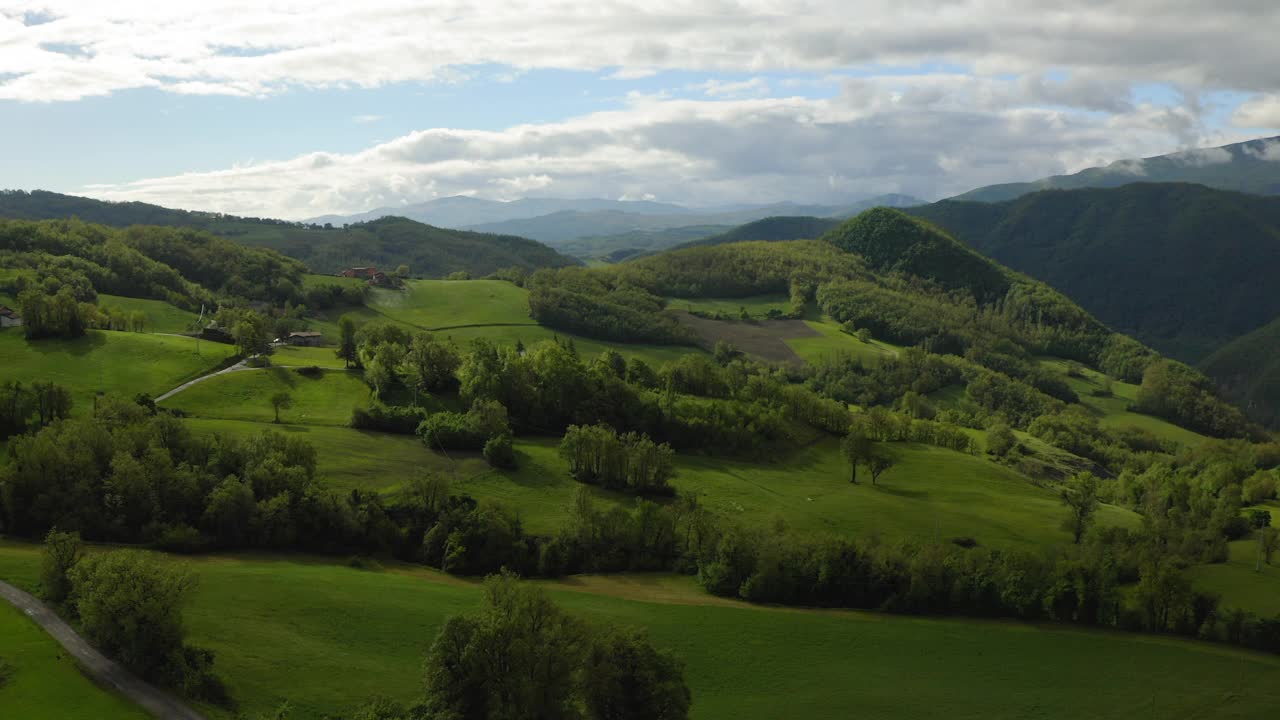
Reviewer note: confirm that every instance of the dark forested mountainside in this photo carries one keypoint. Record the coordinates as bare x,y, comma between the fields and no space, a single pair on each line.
428,251
1183,268
1248,371
1249,167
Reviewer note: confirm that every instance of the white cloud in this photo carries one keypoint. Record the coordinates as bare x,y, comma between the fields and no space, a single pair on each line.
923,136
1262,111
1268,150
755,87
1202,157
245,47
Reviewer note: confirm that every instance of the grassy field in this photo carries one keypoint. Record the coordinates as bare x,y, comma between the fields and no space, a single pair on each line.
299,356
450,303
244,395
161,316
349,458
312,280
114,362
757,306
930,493
1238,584
831,341
1114,411
45,682
465,310
326,637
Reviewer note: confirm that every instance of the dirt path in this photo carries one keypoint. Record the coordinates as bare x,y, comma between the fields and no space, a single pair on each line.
103,671
234,368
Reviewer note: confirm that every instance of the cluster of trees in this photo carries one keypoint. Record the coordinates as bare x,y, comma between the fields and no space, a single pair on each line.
33,406
58,315
1183,396
178,265
483,427
519,655
599,305
129,604
630,462
393,357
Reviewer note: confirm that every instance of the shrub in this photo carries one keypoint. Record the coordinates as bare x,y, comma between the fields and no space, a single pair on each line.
1259,487
387,418
499,451
181,539
312,372
364,562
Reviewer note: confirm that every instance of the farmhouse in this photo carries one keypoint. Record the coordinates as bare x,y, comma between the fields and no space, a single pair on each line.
308,337
9,317
372,274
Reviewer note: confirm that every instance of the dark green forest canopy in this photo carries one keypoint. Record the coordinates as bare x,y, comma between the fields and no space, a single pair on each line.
1248,371
388,242
1183,268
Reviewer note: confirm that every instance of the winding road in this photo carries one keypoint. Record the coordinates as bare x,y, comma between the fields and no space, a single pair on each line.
234,368
104,671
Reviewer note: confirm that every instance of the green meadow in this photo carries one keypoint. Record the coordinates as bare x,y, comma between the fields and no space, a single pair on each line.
347,458
1113,411
42,681
435,304
833,342
931,493
325,637
245,395
161,316
757,306
107,361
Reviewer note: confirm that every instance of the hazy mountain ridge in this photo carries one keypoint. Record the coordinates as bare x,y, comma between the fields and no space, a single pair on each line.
1251,167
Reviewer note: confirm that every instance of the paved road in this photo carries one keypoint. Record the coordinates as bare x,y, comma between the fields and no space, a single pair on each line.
234,368
105,672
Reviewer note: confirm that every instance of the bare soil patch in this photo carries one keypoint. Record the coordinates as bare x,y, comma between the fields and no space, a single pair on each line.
765,339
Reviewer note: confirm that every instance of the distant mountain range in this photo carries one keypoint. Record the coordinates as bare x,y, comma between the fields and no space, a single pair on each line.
580,221
1252,167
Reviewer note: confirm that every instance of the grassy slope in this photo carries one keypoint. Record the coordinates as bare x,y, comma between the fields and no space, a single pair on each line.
930,491
326,637
118,362
832,341
161,316
490,309
243,395
348,458
1114,411
46,682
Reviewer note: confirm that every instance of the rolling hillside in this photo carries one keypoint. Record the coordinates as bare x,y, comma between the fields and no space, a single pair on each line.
428,251
1251,167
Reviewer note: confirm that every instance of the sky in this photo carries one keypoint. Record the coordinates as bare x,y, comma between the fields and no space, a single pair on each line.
299,109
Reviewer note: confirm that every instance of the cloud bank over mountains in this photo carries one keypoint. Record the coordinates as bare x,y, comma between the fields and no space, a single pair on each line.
914,96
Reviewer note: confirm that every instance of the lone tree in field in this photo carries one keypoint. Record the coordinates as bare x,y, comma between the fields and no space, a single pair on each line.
1260,520
878,462
281,401
1080,495
857,448
61,553
347,342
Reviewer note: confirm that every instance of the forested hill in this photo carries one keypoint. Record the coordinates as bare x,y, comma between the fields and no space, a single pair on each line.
1248,371
1183,268
427,250
1252,167
771,229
